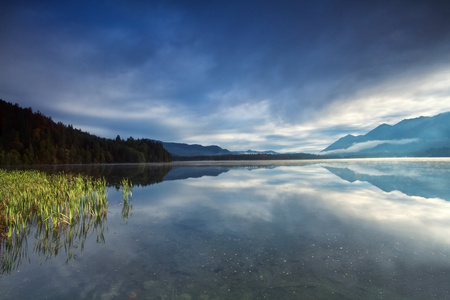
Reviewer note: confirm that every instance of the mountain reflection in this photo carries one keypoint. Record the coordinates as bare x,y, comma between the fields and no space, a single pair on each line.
422,180
269,232
178,173
252,195
152,173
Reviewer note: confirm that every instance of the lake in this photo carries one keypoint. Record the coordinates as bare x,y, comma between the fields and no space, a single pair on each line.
321,229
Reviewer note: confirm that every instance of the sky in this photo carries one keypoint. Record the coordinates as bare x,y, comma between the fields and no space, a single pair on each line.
288,76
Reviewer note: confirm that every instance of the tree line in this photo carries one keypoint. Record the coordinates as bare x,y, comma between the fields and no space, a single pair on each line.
28,137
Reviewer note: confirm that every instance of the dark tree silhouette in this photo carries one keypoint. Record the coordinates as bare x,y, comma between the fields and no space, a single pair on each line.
32,138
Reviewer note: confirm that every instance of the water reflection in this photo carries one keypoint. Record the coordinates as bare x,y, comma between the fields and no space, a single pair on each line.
48,242
429,180
64,239
266,232
288,231
138,174
153,173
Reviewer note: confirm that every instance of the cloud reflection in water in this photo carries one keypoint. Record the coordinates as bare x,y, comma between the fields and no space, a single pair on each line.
255,195
272,232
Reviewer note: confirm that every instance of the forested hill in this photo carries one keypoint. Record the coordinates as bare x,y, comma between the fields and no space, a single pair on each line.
27,137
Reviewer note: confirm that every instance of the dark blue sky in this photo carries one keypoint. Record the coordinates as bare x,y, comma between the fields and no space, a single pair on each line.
279,75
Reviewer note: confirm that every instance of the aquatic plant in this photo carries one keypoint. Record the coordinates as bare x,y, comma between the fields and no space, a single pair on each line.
33,197
60,210
127,191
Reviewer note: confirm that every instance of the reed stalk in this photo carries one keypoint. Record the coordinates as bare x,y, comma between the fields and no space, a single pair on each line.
33,197
127,193
60,210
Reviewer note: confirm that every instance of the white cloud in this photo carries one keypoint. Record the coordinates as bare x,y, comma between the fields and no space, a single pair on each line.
391,102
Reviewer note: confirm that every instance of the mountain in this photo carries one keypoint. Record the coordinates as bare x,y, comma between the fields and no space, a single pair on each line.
422,136
187,150
180,149
254,152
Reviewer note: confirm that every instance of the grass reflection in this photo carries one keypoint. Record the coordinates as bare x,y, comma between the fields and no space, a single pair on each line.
127,193
50,241
59,210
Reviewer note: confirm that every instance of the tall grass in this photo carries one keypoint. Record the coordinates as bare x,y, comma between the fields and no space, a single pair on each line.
127,193
60,210
34,197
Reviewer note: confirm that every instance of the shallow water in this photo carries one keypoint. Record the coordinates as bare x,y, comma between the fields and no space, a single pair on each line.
372,229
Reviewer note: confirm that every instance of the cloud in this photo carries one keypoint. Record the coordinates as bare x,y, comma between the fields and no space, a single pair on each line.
212,73
356,147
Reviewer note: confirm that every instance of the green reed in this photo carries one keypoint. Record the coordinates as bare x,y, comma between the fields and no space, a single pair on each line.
60,210
127,189
127,192
33,197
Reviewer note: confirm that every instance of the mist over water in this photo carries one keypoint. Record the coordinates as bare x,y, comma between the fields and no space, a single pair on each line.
288,230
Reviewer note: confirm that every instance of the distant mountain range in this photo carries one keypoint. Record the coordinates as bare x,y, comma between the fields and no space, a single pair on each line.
422,136
180,149
186,150
270,152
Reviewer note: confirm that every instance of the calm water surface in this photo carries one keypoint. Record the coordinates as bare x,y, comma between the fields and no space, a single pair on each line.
372,229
